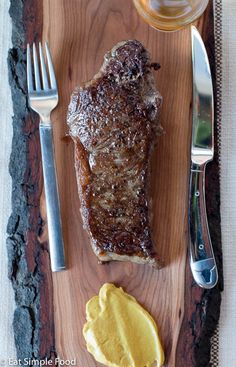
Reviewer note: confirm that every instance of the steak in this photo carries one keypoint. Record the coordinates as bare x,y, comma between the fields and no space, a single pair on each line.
113,121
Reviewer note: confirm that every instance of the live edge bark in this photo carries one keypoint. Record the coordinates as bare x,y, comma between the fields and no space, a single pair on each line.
29,268
28,258
202,307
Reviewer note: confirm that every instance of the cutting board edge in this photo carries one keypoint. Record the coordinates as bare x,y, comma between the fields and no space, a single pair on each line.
28,259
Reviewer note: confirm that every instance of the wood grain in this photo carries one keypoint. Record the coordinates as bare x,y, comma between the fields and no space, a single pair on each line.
79,32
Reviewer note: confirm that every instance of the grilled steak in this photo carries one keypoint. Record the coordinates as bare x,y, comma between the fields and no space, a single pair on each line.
113,121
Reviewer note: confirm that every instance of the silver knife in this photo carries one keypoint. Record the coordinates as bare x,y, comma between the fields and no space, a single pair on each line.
202,260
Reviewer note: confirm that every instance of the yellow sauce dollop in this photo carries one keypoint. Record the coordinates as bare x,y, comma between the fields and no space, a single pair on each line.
119,332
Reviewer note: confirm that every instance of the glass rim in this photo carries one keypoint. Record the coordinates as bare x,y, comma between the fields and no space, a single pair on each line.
180,22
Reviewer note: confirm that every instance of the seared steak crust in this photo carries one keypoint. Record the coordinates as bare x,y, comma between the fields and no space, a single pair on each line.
113,120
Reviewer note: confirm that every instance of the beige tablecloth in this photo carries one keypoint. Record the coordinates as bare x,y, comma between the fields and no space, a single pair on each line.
227,334
227,327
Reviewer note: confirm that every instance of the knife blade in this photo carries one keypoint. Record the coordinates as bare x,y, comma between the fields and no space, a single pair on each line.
202,259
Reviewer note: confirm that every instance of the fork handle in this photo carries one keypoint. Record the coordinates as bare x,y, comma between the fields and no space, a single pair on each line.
202,258
56,245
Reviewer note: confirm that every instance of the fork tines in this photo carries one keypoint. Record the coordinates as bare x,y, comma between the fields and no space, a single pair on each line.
40,80
43,98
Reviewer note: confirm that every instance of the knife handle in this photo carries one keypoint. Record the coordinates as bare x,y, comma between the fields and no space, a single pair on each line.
202,260
56,245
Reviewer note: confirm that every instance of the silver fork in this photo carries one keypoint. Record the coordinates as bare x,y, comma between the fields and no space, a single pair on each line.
43,98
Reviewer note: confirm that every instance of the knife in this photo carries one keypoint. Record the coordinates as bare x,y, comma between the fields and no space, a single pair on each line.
202,260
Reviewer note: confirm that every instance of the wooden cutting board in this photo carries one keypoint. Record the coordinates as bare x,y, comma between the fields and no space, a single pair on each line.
79,33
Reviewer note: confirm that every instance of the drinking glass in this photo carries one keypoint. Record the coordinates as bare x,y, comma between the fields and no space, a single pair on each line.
170,15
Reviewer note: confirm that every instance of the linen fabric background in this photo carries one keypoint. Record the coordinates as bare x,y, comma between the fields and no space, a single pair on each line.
227,326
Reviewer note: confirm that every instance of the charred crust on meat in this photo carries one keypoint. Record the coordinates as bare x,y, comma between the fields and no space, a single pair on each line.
113,120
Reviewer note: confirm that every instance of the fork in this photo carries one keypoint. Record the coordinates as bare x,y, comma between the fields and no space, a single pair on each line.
43,98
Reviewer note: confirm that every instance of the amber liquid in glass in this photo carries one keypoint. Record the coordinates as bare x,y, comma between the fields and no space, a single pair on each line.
170,15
